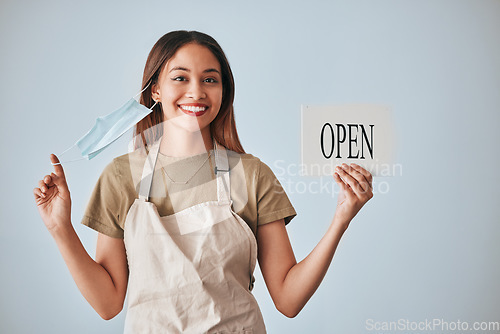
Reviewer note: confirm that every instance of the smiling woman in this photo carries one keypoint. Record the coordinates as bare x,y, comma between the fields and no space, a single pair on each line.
184,218
189,90
189,63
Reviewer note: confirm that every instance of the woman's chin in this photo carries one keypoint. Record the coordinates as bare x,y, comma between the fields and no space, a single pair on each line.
190,127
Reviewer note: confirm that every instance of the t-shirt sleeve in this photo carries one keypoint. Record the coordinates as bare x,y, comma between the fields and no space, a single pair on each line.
272,202
102,212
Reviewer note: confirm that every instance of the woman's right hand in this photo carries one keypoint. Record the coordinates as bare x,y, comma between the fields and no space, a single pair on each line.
53,199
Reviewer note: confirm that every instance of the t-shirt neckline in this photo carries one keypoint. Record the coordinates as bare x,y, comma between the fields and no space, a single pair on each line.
189,157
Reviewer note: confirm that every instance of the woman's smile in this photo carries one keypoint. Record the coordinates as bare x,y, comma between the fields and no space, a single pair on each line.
193,109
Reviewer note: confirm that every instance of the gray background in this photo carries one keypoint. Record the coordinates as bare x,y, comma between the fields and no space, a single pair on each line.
425,247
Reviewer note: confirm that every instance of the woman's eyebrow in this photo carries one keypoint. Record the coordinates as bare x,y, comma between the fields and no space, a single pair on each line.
180,68
211,70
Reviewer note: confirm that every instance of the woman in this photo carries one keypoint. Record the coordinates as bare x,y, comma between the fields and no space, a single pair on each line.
166,213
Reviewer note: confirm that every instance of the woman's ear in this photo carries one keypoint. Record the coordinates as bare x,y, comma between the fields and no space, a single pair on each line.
155,93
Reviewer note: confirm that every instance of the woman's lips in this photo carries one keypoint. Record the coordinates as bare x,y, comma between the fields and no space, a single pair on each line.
193,109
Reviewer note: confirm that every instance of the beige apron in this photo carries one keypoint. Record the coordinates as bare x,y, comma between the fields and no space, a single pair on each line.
190,272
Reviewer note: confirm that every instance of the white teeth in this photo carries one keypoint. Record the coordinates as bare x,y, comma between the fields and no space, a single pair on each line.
193,109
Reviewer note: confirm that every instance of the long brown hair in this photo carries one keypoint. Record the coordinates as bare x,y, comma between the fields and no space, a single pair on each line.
223,127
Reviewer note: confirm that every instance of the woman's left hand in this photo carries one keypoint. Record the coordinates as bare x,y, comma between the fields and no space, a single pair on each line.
356,189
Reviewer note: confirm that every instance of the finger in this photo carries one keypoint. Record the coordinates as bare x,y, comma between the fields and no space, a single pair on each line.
337,178
48,180
366,174
341,183
61,184
43,187
38,193
345,187
358,176
58,169
349,180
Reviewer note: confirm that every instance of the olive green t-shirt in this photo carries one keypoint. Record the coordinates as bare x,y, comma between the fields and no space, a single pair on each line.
257,195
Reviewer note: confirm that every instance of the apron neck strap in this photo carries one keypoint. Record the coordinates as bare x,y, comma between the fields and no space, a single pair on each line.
148,171
222,174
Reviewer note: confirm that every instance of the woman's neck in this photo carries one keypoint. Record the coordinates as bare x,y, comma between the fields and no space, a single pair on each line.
181,143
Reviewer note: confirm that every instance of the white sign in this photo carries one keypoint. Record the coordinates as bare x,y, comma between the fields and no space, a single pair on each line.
358,133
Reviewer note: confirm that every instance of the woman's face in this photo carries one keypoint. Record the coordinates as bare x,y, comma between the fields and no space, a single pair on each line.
190,88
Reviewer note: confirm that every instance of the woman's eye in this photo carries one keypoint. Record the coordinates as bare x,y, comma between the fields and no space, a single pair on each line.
181,78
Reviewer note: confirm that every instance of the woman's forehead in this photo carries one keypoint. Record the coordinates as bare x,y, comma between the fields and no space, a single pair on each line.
193,57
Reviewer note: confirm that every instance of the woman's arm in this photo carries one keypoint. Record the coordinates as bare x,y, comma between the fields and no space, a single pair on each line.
103,282
292,284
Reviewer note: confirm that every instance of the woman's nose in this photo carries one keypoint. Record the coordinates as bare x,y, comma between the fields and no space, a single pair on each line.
196,91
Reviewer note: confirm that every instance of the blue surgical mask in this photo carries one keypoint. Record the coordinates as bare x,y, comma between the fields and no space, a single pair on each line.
109,128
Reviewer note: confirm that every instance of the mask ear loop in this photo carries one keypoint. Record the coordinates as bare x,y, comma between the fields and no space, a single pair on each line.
58,163
82,158
143,91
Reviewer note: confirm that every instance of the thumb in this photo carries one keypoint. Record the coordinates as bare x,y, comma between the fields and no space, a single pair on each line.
61,184
58,169
58,177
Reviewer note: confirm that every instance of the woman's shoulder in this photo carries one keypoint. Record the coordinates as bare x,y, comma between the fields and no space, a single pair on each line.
124,166
247,157
135,155
252,166
249,161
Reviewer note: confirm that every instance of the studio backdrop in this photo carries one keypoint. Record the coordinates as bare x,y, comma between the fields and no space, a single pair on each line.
423,250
